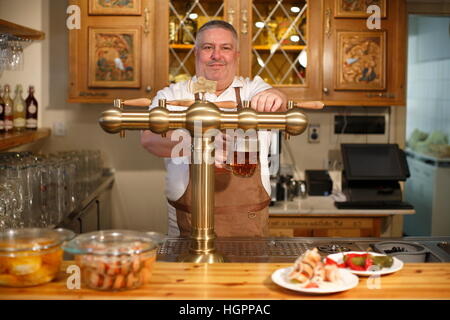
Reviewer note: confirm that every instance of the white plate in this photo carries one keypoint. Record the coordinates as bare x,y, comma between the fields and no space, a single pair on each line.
349,281
397,265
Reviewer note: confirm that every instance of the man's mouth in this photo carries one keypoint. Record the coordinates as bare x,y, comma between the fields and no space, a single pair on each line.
216,64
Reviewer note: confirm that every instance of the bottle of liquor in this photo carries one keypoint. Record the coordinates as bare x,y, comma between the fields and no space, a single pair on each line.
2,112
32,110
9,105
173,30
19,110
189,28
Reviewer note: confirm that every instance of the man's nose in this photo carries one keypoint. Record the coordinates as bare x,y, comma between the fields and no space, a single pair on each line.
216,54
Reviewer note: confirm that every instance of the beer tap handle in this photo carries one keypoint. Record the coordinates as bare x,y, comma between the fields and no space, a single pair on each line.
142,102
314,105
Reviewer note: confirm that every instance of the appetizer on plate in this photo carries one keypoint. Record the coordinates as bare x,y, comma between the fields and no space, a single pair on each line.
362,261
311,272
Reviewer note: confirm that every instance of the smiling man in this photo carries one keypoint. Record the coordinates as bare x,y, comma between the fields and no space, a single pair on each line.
241,203
217,58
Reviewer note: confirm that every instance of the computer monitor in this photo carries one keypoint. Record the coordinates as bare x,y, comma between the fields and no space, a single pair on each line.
374,162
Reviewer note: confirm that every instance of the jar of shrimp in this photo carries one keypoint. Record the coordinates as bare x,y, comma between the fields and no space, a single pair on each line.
115,260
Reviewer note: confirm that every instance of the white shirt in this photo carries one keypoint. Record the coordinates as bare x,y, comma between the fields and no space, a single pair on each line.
177,177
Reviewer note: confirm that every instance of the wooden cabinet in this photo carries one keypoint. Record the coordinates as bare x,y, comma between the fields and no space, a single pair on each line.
112,54
300,46
311,225
364,63
272,37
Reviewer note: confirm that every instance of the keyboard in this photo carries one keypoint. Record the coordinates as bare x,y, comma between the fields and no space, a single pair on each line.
374,205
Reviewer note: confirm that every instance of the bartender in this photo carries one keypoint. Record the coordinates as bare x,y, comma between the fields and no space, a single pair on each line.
240,203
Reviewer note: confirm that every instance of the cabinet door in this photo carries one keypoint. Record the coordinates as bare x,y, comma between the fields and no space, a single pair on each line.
364,64
176,27
111,55
280,42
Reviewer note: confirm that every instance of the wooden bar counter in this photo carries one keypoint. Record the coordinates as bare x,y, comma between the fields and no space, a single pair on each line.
248,281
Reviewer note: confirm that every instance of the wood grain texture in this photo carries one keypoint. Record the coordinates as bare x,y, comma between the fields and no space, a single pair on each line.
20,31
239,281
15,139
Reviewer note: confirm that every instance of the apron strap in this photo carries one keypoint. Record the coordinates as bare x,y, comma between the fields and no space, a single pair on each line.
237,90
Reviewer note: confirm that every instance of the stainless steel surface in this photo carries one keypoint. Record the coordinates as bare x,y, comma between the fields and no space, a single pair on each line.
288,249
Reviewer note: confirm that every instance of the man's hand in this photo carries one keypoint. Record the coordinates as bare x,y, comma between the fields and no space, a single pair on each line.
270,100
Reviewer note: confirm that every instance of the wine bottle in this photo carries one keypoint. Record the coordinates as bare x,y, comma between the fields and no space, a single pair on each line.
19,110
9,105
173,30
32,110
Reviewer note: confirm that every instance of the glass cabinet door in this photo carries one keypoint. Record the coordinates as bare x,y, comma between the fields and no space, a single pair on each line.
281,44
279,41
185,18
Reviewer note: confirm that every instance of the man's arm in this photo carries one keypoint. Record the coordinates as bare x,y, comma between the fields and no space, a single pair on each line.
163,146
270,100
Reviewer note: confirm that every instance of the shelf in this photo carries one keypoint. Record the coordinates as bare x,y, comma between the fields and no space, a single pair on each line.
285,48
20,31
181,46
257,47
15,139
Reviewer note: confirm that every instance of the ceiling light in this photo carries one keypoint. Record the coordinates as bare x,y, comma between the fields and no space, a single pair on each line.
259,24
295,38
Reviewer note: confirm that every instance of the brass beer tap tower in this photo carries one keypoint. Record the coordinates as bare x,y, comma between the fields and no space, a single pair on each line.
160,120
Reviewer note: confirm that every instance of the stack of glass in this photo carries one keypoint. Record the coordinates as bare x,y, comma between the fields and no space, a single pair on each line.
41,190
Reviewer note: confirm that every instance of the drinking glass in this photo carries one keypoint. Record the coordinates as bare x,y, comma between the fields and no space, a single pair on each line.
245,156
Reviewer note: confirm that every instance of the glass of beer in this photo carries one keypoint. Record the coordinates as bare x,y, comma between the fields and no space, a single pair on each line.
244,157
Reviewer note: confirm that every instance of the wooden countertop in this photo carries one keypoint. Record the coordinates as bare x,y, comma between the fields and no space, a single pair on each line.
250,281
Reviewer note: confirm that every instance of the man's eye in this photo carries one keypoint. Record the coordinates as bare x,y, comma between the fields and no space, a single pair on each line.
207,47
226,48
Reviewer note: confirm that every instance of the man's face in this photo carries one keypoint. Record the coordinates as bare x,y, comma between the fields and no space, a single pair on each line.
216,57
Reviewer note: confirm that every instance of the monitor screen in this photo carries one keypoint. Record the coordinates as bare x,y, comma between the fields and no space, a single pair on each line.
374,162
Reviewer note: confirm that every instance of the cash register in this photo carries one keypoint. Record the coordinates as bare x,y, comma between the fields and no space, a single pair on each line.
371,176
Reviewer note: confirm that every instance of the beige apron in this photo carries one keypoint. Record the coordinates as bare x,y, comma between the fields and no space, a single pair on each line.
240,203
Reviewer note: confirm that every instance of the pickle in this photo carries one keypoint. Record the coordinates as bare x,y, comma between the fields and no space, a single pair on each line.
383,261
358,261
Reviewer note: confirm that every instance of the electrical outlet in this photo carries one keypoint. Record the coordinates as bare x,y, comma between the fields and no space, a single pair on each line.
314,133
59,129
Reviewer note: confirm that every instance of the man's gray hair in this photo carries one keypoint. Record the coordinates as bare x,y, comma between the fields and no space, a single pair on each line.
217,24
